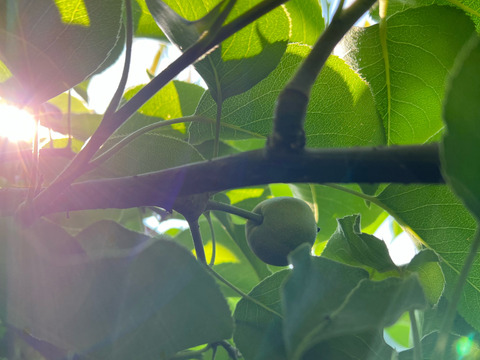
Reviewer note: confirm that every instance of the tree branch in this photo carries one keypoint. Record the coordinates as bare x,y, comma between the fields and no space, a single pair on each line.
398,164
107,128
288,133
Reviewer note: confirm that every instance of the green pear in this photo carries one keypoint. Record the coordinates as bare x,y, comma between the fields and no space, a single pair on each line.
287,223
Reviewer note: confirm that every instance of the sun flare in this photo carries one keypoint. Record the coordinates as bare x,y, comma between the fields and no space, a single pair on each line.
16,124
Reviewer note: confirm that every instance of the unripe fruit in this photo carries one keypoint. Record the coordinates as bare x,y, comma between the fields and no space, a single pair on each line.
287,223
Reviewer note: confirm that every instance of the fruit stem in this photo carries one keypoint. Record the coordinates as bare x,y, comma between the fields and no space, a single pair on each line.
197,240
215,205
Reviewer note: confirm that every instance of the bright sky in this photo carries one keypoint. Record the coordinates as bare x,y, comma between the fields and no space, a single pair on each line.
102,86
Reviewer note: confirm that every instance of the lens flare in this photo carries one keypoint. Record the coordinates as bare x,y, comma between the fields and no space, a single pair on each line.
16,124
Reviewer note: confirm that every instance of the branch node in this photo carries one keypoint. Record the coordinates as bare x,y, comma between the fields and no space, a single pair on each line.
288,132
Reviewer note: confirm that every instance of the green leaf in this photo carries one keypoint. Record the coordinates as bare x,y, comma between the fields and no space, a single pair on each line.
150,152
341,110
189,95
435,216
350,246
306,21
51,47
157,149
470,7
330,204
83,122
428,347
357,305
130,298
462,119
174,100
75,221
243,59
313,292
165,104
400,331
433,318
258,332
146,25
81,89
430,274
408,76
368,345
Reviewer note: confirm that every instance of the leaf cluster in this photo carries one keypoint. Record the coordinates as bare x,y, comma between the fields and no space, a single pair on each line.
382,131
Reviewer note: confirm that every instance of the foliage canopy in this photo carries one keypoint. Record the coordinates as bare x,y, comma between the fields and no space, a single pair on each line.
362,121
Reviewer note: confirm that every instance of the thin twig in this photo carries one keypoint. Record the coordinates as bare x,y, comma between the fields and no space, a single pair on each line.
100,159
417,343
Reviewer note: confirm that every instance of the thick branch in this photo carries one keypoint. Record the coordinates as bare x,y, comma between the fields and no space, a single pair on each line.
401,164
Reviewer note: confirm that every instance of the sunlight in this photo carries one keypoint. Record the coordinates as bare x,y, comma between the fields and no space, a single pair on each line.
16,124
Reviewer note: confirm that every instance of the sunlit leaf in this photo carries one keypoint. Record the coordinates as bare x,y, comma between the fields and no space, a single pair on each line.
443,224
341,111
50,48
408,76
331,204
350,246
243,59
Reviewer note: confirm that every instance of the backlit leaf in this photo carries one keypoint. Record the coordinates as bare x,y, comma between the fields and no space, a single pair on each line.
408,76
341,111
51,47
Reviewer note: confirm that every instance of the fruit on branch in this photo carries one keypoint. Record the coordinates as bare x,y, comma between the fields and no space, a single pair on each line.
287,223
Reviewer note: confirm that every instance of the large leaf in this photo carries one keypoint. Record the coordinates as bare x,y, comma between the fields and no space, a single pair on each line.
243,59
350,246
462,119
331,204
258,332
470,7
83,122
315,289
51,46
341,110
428,347
152,151
408,76
368,345
439,219
306,21
325,300
146,26
109,293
